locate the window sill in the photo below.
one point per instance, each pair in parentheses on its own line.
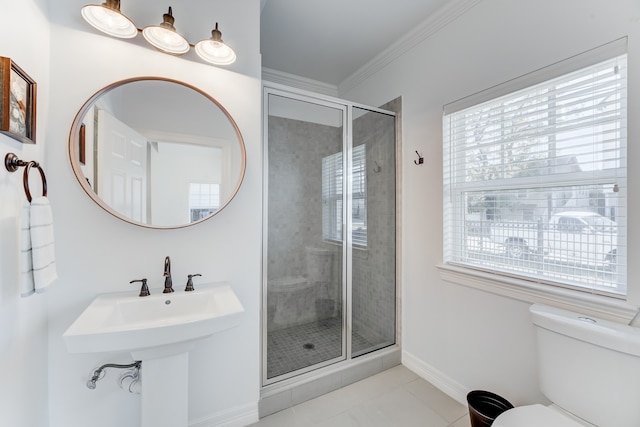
(354,246)
(595,305)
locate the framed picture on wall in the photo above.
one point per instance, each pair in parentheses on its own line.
(82,144)
(17,102)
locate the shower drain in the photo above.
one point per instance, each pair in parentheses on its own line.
(309,346)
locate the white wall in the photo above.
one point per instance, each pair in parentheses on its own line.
(465,337)
(24,38)
(97,253)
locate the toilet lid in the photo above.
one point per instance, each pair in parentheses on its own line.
(534,416)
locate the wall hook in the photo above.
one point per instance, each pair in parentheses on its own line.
(420,159)
(377,168)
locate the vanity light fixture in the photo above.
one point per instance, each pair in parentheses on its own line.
(164,37)
(107,18)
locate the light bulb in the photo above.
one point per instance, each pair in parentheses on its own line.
(166,40)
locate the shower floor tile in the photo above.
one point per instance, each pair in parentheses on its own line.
(305,345)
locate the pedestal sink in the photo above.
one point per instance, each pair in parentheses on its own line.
(159,329)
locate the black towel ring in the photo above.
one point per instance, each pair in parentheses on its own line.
(12,163)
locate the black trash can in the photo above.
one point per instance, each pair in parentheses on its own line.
(484,407)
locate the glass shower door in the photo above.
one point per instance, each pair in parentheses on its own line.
(373,207)
(304,288)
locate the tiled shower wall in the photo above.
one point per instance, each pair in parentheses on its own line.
(296,149)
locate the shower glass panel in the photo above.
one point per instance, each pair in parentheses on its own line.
(373,216)
(305,291)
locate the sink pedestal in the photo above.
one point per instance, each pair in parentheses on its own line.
(164,391)
(165,386)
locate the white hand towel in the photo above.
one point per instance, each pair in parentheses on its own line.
(42,244)
(27,287)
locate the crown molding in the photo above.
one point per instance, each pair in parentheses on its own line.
(291,80)
(438,20)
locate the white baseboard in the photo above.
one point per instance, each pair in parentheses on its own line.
(238,416)
(427,372)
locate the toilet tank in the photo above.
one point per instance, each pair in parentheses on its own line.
(318,265)
(588,366)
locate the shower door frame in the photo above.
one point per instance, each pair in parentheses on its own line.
(347,236)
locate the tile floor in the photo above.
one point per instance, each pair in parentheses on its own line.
(304,345)
(396,397)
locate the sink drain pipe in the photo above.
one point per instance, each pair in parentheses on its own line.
(131,378)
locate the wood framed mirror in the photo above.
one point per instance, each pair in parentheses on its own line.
(157,153)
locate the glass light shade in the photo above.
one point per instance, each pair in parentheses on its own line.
(166,40)
(109,20)
(215,52)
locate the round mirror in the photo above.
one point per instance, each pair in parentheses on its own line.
(157,152)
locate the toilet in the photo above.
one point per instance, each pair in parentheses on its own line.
(588,368)
(292,299)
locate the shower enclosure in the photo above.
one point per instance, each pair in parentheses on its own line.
(329,263)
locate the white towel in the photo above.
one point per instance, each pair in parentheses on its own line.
(42,244)
(38,251)
(27,287)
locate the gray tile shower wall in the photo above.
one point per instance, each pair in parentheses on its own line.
(296,149)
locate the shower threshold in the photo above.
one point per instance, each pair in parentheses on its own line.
(295,390)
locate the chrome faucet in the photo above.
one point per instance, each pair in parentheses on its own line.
(168,285)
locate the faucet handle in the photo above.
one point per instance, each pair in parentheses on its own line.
(144,290)
(190,287)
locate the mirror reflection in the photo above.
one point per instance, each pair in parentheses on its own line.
(157,153)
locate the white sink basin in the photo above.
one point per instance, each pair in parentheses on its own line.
(125,322)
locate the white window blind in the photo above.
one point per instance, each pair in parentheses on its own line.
(535,181)
(332,190)
(332,197)
(359,196)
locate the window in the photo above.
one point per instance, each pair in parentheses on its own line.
(359,197)
(535,179)
(332,184)
(204,200)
